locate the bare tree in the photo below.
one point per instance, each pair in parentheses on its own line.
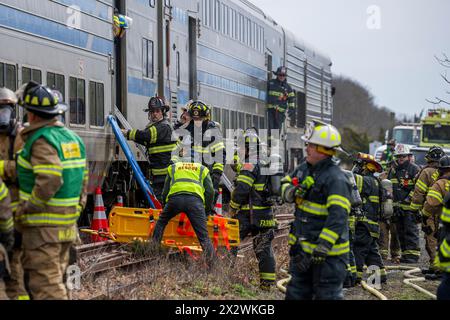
(445,62)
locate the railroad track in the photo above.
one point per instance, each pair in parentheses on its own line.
(99,257)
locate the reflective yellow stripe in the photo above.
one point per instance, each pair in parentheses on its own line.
(365,219)
(132,134)
(445,216)
(24,163)
(329,235)
(292,239)
(314,208)
(2,169)
(234,205)
(6,225)
(23,297)
(153,134)
(394,181)
(267,276)
(54,202)
(247,207)
(359,182)
(159,172)
(336,250)
(218,166)
(14,205)
(217,147)
(49,219)
(200,149)
(3,191)
(48,169)
(161,149)
(74,164)
(411,252)
(445,249)
(338,200)
(421,185)
(276,94)
(416,206)
(259,186)
(245,179)
(374,199)
(436,195)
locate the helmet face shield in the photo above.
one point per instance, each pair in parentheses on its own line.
(6,114)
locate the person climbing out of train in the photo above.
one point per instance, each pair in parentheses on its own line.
(53,177)
(188,188)
(367,229)
(157,138)
(319,236)
(432,209)
(280,97)
(424,181)
(10,144)
(207,146)
(6,238)
(250,204)
(402,175)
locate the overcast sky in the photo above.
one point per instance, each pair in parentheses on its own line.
(395,62)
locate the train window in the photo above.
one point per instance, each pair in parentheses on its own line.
(234,119)
(151,3)
(216,14)
(226,119)
(248,120)
(262,123)
(8,76)
(147,58)
(216,114)
(57,82)
(249,32)
(241,28)
(241,121)
(223,18)
(29,74)
(96,104)
(255,122)
(205,12)
(178,68)
(77,100)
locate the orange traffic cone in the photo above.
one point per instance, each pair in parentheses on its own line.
(119,201)
(99,222)
(218,205)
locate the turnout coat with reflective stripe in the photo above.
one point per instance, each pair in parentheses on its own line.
(443,256)
(157,138)
(426,177)
(435,197)
(252,186)
(369,189)
(6,218)
(402,178)
(280,95)
(321,217)
(52,176)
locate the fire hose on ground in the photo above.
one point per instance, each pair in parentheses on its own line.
(408,274)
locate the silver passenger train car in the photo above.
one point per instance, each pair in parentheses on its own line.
(219,51)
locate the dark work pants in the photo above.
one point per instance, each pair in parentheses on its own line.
(366,249)
(262,245)
(443,291)
(195,211)
(388,240)
(408,235)
(158,186)
(276,120)
(319,282)
(351,268)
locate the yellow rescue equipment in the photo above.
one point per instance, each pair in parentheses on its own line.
(136,224)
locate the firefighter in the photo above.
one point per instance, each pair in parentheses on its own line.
(188,188)
(52,176)
(367,229)
(402,175)
(432,209)
(280,97)
(425,179)
(388,155)
(10,144)
(184,120)
(6,237)
(250,205)
(442,260)
(157,138)
(206,141)
(319,235)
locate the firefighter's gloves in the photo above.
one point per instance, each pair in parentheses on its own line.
(302,262)
(125,133)
(319,254)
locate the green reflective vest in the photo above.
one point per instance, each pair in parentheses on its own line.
(71,152)
(187,177)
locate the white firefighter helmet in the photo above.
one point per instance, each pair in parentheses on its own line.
(401,150)
(322,134)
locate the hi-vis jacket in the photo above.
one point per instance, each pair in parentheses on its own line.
(157,138)
(426,178)
(6,218)
(402,178)
(9,147)
(251,193)
(53,177)
(443,256)
(369,189)
(435,197)
(280,96)
(321,216)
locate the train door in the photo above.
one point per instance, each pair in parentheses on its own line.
(193,29)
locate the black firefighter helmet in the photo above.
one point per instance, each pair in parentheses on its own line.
(42,100)
(434,154)
(157,103)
